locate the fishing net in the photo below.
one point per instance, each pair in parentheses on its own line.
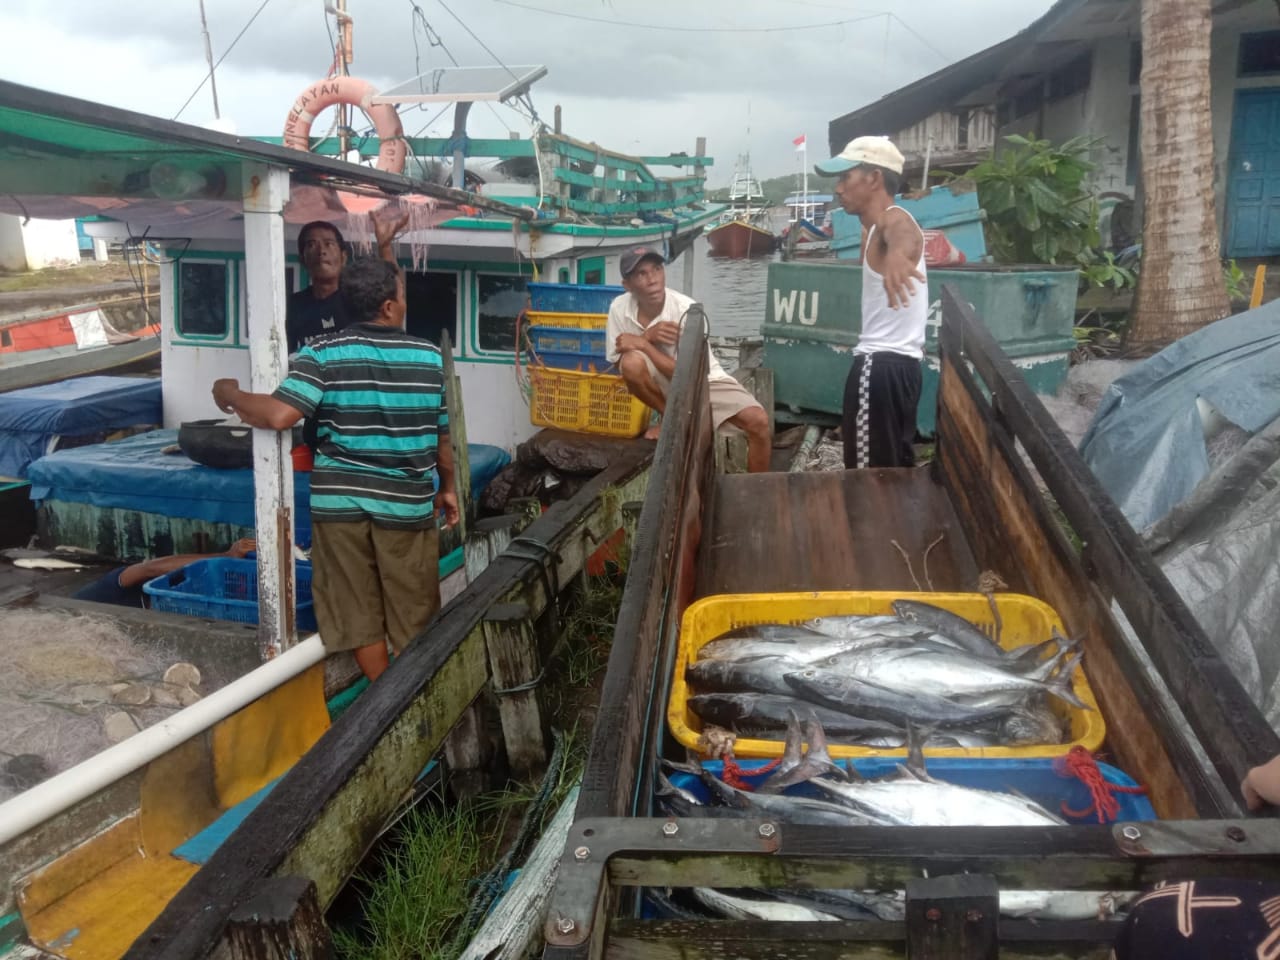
(422,217)
(65,676)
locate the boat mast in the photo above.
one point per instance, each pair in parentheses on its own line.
(208,56)
(804,171)
(342,54)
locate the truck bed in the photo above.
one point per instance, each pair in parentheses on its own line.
(784,532)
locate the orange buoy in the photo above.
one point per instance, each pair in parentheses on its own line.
(354,92)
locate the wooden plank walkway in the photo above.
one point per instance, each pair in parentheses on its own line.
(781,532)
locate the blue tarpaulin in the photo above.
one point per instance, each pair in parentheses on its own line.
(1215,534)
(134,474)
(31,418)
(1146,443)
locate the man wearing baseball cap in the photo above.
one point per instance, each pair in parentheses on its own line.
(883,388)
(643,330)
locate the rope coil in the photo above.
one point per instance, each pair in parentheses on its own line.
(1079,763)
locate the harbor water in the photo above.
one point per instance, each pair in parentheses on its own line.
(733,291)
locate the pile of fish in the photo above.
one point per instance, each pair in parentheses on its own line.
(835,795)
(866,678)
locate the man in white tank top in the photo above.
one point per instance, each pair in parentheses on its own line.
(883,388)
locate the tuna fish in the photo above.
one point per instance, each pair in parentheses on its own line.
(841,691)
(767,713)
(946,622)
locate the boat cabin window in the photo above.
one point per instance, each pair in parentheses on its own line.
(499,300)
(202,299)
(591,270)
(432,305)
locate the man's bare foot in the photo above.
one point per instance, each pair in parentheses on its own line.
(653,431)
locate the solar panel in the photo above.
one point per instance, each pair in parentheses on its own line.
(463,85)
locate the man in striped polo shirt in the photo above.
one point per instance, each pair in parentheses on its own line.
(377,396)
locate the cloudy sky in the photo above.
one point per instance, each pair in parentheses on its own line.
(640,76)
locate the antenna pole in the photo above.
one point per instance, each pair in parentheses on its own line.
(208,56)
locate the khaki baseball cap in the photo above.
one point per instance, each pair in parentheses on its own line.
(877,151)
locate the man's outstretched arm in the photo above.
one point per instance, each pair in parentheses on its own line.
(256,409)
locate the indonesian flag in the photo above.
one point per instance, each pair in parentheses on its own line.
(799,142)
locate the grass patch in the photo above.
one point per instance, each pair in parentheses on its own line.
(417,897)
(422,887)
(79,275)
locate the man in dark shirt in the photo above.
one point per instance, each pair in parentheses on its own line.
(123,585)
(318,309)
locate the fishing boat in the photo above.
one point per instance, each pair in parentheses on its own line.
(49,347)
(131,826)
(809,230)
(744,229)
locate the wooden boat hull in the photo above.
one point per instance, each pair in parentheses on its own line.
(54,364)
(739,240)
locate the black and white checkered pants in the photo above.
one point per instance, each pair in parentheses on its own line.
(880,400)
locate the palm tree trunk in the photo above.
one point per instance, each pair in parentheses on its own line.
(1180,286)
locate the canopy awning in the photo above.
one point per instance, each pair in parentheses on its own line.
(61,158)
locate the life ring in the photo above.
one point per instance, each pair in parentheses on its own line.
(354,92)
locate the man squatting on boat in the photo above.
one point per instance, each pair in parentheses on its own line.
(883,388)
(643,330)
(377,396)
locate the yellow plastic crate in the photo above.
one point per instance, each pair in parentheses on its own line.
(576,321)
(585,403)
(1024,620)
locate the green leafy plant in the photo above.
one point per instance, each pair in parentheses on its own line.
(1039,208)
(1103,271)
(1236,281)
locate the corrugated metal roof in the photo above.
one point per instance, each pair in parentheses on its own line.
(909,105)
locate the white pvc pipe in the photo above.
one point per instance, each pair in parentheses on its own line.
(50,798)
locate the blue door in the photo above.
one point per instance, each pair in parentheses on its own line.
(1253,189)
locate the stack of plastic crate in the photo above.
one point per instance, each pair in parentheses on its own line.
(574,386)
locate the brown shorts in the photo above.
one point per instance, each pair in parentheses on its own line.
(728,397)
(371,584)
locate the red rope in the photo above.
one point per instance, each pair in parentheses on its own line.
(1079,763)
(735,776)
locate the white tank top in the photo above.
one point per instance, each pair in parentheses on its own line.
(884,328)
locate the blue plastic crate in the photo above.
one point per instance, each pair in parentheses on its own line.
(572,297)
(1036,779)
(567,340)
(224,588)
(574,361)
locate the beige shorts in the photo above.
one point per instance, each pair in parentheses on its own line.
(728,397)
(371,584)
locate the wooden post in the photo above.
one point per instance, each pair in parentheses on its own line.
(630,525)
(468,754)
(953,918)
(282,920)
(457,438)
(759,380)
(266,192)
(515,666)
(489,537)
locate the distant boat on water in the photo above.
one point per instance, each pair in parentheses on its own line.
(744,229)
(808,230)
